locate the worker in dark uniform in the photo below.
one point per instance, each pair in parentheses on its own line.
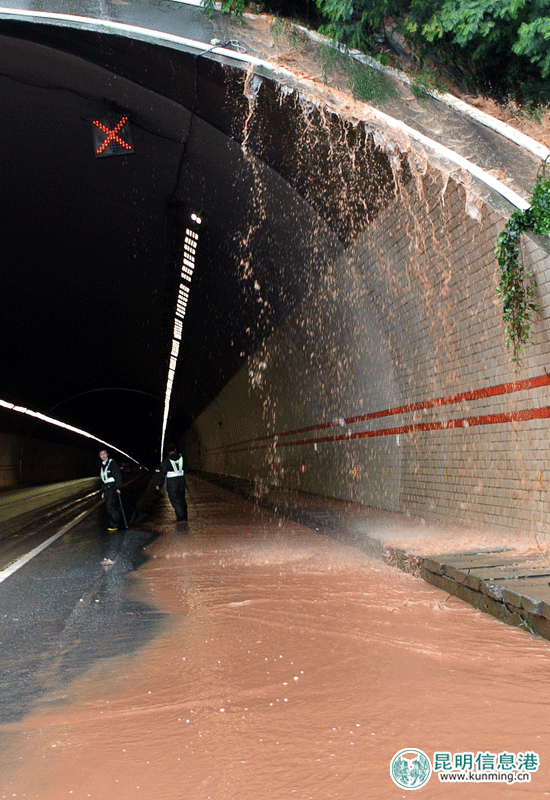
(173,468)
(111,485)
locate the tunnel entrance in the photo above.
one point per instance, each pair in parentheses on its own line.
(340,333)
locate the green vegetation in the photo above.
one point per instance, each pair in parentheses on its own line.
(501,47)
(425,82)
(284,27)
(366,83)
(304,10)
(498,47)
(515,288)
(233,7)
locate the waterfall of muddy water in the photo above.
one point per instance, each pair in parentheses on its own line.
(292,666)
(405,314)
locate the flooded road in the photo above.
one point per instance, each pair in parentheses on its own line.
(288,665)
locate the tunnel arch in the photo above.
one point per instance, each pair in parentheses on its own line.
(343,337)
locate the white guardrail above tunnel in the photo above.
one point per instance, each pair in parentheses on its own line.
(282,75)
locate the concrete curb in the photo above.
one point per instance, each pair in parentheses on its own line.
(274,72)
(512,134)
(513,588)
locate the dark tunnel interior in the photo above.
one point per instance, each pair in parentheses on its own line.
(94,241)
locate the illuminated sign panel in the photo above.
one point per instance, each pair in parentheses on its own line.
(112,136)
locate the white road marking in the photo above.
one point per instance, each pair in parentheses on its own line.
(32,553)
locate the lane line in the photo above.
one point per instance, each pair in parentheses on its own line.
(32,553)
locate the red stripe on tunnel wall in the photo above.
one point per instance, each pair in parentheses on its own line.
(474,394)
(469,422)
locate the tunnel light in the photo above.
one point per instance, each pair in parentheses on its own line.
(187,268)
(51,421)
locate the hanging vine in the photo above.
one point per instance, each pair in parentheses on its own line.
(516,289)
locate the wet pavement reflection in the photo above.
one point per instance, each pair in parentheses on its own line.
(289,665)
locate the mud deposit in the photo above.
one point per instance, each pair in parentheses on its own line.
(291,666)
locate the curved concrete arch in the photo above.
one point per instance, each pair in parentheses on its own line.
(343,332)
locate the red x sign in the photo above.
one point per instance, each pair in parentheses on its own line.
(112,138)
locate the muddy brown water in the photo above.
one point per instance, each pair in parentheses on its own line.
(291,666)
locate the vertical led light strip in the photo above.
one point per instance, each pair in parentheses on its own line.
(188,265)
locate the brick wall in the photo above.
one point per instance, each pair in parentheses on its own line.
(392,386)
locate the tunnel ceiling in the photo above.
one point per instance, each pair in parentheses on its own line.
(93,243)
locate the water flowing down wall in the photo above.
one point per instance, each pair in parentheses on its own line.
(390,384)
(342,335)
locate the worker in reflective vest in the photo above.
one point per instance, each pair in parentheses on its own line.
(111,485)
(173,468)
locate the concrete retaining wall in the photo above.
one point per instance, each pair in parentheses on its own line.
(392,385)
(31,462)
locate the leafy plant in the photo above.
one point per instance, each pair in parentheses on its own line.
(304,10)
(278,27)
(366,83)
(501,47)
(515,288)
(425,82)
(234,8)
(534,42)
(353,22)
(282,28)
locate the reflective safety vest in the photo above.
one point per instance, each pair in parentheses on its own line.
(105,477)
(177,468)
